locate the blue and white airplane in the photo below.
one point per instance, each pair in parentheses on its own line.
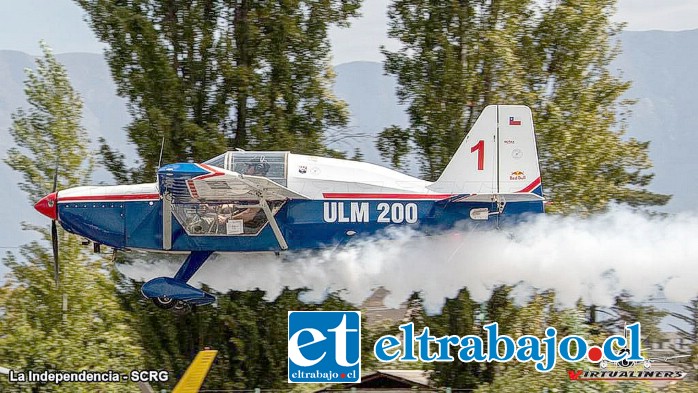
(251,201)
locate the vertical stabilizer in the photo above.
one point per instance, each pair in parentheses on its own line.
(497,156)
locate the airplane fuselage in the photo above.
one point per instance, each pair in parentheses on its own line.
(130,217)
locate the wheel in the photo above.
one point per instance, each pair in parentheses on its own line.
(625,363)
(164,302)
(181,308)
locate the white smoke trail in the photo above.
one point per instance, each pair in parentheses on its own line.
(593,259)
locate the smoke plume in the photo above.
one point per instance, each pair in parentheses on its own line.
(594,259)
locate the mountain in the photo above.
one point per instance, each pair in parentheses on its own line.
(660,64)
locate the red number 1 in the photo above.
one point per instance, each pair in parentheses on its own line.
(480,148)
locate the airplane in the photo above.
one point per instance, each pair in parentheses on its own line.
(646,363)
(251,201)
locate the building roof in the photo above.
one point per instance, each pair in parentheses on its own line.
(376,312)
(389,381)
(420,377)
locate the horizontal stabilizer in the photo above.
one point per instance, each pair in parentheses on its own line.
(518,197)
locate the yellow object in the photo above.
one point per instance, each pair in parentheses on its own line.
(194,377)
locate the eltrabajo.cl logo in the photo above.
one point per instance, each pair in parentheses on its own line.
(503,348)
(324,346)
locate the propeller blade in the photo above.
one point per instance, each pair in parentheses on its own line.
(54,243)
(54,229)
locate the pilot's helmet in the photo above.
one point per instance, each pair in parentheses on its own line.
(258,166)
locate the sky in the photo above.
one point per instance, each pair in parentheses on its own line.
(60,22)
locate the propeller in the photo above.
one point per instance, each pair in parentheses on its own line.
(48,206)
(54,229)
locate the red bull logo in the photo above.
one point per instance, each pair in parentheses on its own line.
(517,175)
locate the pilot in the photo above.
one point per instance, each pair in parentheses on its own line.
(252,217)
(257,168)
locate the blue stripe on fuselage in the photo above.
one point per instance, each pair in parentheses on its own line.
(305,224)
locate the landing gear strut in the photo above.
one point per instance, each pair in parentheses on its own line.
(173,293)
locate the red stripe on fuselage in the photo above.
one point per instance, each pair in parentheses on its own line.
(209,168)
(101,198)
(337,195)
(531,186)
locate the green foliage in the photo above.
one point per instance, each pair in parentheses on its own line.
(209,74)
(533,317)
(78,325)
(458,317)
(682,387)
(459,56)
(518,377)
(462,316)
(456,57)
(582,122)
(689,318)
(49,134)
(626,311)
(249,331)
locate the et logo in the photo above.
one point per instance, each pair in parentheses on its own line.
(324,346)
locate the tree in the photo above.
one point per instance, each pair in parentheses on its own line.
(533,317)
(250,333)
(459,56)
(458,317)
(47,133)
(79,324)
(582,120)
(454,60)
(688,334)
(625,311)
(501,309)
(209,74)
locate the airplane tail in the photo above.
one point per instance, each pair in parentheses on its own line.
(497,156)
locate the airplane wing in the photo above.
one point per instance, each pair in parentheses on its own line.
(232,184)
(205,183)
(667,358)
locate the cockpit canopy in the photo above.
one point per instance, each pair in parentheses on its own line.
(271,164)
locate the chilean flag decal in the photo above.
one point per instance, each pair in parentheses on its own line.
(513,121)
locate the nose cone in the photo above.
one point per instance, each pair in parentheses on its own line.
(48,205)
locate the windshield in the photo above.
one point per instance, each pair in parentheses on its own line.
(270,164)
(217,161)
